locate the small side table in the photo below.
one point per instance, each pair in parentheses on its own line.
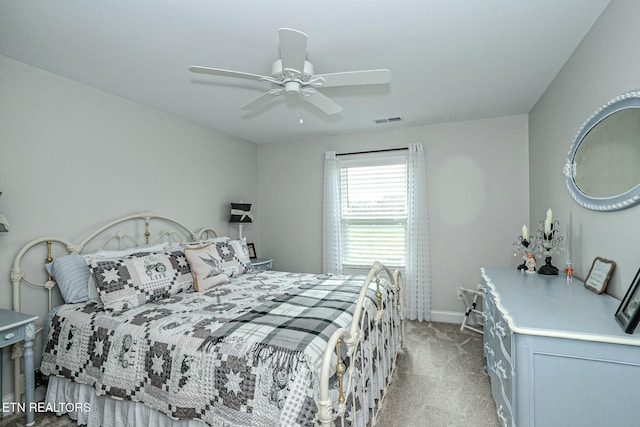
(262,264)
(16,327)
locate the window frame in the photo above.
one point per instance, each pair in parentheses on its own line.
(363,160)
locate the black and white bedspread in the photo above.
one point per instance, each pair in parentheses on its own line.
(245,353)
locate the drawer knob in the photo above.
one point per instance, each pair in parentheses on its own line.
(9,336)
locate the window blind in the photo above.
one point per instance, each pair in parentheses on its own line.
(373,213)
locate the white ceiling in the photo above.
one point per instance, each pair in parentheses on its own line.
(450,60)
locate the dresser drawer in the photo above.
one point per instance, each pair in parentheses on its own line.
(11,336)
(501,389)
(505,415)
(488,337)
(503,335)
(502,372)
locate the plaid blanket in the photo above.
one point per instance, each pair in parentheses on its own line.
(246,353)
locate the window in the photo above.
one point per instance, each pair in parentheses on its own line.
(374,208)
(373,211)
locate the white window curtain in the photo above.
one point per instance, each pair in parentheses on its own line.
(417,292)
(331,232)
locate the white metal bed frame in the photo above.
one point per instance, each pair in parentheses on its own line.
(330,408)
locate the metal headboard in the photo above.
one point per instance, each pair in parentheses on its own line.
(119,234)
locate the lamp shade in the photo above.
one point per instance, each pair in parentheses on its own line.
(241,212)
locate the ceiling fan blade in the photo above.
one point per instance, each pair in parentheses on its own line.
(352,78)
(227,73)
(261,100)
(321,101)
(293,49)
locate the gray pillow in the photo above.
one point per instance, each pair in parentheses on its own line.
(72,276)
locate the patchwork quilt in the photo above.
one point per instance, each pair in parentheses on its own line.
(247,353)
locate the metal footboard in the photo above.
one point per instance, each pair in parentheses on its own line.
(362,359)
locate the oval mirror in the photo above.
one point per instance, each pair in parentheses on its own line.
(602,167)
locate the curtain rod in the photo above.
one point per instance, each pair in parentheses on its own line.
(372,151)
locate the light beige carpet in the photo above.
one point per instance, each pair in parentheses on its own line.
(439,382)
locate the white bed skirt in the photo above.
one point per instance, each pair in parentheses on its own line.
(103,411)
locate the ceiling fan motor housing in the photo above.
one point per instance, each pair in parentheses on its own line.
(280,74)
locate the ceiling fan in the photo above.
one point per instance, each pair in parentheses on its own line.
(293,74)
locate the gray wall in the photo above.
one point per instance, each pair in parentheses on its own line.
(603,66)
(73,158)
(477,191)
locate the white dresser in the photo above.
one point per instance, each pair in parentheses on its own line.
(556,355)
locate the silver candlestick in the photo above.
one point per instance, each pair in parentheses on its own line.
(548,242)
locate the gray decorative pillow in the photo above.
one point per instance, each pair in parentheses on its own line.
(233,256)
(131,281)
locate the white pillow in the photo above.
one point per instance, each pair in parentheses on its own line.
(126,252)
(205,267)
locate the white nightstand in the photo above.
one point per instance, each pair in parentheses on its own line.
(262,264)
(18,327)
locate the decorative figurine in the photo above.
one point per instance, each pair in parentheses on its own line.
(521,247)
(530,262)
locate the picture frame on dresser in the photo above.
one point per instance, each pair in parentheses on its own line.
(628,313)
(252,250)
(599,275)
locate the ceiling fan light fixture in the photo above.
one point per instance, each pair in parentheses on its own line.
(292,86)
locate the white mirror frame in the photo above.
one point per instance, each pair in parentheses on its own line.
(613,203)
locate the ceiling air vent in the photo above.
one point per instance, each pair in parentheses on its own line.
(388,120)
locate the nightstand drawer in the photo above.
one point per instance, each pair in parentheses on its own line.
(12,335)
(261,264)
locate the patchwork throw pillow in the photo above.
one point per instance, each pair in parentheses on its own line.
(242,252)
(131,281)
(205,267)
(233,256)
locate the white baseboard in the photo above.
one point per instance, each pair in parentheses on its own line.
(447,316)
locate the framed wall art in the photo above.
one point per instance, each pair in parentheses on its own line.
(252,250)
(628,313)
(599,275)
